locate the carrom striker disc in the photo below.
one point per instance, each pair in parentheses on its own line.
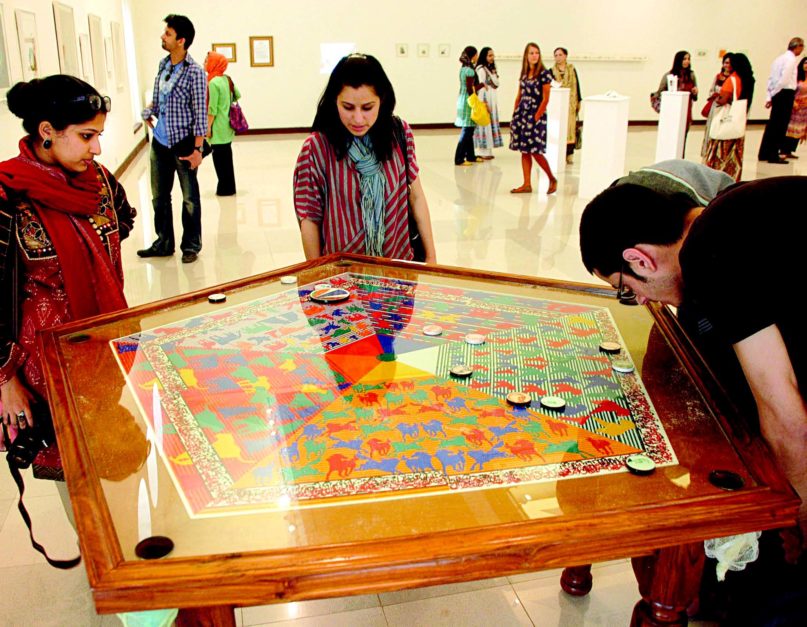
(461,371)
(289,279)
(329,295)
(640,464)
(217,298)
(553,402)
(610,347)
(726,480)
(474,338)
(154,547)
(519,399)
(432,329)
(623,366)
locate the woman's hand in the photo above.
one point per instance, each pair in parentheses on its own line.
(16,401)
(694,91)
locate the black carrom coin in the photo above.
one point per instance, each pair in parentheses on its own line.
(154,548)
(726,480)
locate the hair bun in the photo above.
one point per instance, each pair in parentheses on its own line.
(22,97)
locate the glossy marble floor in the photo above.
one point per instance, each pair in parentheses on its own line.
(477,223)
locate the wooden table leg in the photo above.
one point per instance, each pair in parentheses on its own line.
(221,616)
(576,580)
(669,581)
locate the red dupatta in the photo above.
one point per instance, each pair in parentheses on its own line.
(93,283)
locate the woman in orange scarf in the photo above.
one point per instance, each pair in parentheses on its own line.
(220,95)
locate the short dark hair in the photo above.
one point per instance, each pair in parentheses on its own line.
(625,215)
(59,99)
(182,26)
(563,50)
(354,71)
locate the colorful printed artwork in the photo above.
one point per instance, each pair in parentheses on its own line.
(285,402)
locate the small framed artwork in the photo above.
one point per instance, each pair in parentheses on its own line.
(443,50)
(5,69)
(228,50)
(86,57)
(29,46)
(66,38)
(423,50)
(261,52)
(109,56)
(119,54)
(401,50)
(97,51)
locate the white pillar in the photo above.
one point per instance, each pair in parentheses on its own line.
(605,138)
(672,124)
(557,119)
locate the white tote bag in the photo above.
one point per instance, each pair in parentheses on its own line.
(729,119)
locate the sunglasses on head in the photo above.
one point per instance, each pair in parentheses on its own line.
(96,102)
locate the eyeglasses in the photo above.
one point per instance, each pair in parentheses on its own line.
(96,102)
(624,294)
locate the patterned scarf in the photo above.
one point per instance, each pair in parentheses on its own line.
(372,185)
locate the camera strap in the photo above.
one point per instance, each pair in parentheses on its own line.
(15,474)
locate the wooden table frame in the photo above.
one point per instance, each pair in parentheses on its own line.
(667,547)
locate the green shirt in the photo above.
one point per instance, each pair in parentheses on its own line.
(219,106)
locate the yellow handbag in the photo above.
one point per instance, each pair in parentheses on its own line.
(479,112)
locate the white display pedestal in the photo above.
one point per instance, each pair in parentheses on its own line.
(605,138)
(672,124)
(557,120)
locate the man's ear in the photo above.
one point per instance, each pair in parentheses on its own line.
(642,259)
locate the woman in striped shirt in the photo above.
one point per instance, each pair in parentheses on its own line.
(355,180)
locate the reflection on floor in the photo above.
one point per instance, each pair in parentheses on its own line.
(477,224)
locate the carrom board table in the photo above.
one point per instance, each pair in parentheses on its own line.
(294,449)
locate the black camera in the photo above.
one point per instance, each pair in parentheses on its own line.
(31,440)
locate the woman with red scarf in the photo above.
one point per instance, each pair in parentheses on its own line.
(62,218)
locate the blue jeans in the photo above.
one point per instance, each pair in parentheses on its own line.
(163,166)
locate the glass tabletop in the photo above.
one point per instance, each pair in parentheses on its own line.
(325,411)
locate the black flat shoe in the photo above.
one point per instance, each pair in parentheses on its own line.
(777,161)
(154,252)
(189,257)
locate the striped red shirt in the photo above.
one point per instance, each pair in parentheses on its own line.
(326,191)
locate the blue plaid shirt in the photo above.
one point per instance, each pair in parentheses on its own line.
(186,109)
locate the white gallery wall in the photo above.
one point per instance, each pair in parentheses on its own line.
(119,138)
(426,87)
(618,45)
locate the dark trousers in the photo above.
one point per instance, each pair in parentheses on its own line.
(773,139)
(223,162)
(465,146)
(163,167)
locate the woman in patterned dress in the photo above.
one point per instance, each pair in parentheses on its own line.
(62,216)
(566,74)
(357,175)
(797,128)
(465,155)
(528,126)
(709,108)
(486,138)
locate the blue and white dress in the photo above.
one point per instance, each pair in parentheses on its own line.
(527,135)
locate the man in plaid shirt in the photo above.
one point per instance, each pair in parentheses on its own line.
(178,116)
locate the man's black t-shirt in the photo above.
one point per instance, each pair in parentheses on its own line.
(744,265)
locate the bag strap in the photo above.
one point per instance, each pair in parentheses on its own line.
(15,474)
(733,88)
(232,89)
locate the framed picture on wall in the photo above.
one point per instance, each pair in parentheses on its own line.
(443,50)
(97,52)
(228,50)
(86,57)
(66,38)
(118,54)
(29,45)
(401,50)
(261,52)
(423,50)
(5,69)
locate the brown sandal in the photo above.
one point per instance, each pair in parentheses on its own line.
(553,186)
(524,189)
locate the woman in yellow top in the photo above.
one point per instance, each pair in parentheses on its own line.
(220,94)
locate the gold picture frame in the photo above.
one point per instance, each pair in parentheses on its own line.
(261,52)
(228,50)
